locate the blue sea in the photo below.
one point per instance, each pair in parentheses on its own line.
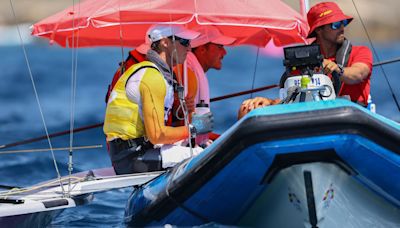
(51,67)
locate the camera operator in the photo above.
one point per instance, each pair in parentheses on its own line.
(351,64)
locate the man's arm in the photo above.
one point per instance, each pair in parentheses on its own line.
(152,92)
(358,71)
(354,74)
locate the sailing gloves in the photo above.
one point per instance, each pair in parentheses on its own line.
(203,123)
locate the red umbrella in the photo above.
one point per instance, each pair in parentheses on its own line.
(125,22)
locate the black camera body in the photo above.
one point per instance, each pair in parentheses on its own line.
(303,58)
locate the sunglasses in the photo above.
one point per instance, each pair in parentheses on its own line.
(182,41)
(338,24)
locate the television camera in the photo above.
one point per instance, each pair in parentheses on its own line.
(303,79)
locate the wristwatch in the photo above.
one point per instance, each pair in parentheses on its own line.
(341,72)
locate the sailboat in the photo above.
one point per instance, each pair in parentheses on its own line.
(37,205)
(317,163)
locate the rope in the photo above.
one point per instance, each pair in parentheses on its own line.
(17,190)
(61,133)
(255,71)
(23,190)
(121,40)
(36,95)
(46,149)
(377,56)
(74,69)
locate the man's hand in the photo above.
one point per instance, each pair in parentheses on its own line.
(329,67)
(254,103)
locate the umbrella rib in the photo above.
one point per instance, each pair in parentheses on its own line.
(142,22)
(247,25)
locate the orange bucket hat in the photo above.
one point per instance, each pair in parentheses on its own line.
(324,13)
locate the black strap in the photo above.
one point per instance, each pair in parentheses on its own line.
(342,58)
(343,53)
(142,67)
(119,148)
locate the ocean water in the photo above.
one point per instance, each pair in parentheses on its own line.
(51,67)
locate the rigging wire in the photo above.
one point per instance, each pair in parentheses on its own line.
(36,187)
(121,41)
(377,56)
(255,71)
(74,69)
(37,97)
(42,190)
(182,101)
(46,149)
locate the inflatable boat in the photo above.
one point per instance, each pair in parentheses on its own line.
(311,164)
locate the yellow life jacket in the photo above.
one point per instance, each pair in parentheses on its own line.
(124,118)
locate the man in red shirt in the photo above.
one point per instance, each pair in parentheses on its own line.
(352,64)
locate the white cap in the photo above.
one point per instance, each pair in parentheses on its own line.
(157,32)
(210,34)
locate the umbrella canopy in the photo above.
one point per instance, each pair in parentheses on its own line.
(125,22)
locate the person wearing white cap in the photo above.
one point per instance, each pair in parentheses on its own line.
(207,53)
(139,104)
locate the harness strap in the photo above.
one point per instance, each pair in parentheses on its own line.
(174,81)
(342,58)
(142,67)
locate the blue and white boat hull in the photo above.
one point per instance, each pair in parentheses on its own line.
(325,164)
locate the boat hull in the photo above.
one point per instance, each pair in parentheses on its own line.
(37,205)
(340,201)
(32,220)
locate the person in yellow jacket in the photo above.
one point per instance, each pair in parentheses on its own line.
(139,105)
